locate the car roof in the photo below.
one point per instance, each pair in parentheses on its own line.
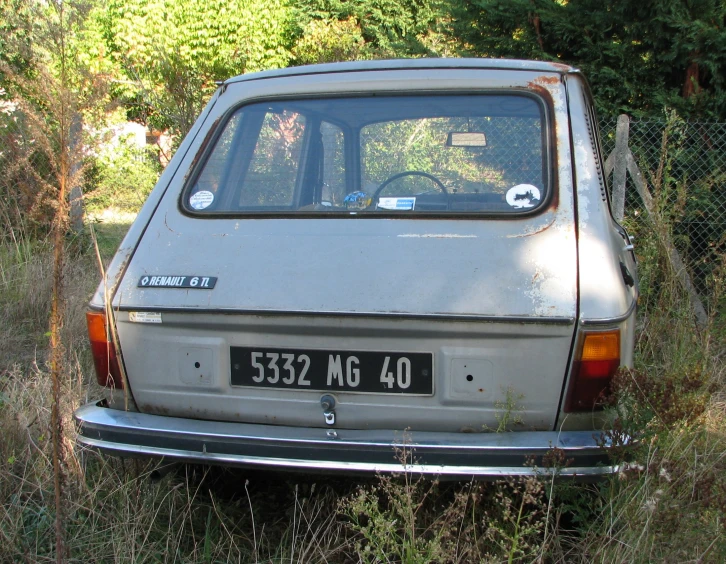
(408,64)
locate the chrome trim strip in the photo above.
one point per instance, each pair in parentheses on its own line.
(96,416)
(371,314)
(342,466)
(612,320)
(481,454)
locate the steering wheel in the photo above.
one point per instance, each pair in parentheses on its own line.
(390,179)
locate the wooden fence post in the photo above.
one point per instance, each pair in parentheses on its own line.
(622,134)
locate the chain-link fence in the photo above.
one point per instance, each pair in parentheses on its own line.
(684,164)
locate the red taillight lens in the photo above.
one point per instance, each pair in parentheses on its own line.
(596,364)
(108,372)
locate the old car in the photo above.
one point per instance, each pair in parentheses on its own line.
(373,266)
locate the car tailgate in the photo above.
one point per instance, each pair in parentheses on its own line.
(494,302)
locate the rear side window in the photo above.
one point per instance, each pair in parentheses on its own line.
(377,155)
(275,163)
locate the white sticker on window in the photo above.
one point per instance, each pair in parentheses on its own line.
(523,196)
(201,200)
(396,203)
(144,317)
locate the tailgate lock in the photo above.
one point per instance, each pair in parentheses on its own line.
(327,402)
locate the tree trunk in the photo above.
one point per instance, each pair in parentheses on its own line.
(692,85)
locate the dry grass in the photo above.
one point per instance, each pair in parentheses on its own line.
(135,511)
(125,510)
(670,505)
(25,285)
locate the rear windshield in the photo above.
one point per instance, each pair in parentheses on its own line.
(377,155)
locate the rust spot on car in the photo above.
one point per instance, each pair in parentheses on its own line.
(543,90)
(534,231)
(119,275)
(546,80)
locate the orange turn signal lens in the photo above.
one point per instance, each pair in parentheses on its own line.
(601,346)
(96,321)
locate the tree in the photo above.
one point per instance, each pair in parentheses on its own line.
(171,53)
(41,160)
(388,28)
(49,91)
(639,56)
(328,41)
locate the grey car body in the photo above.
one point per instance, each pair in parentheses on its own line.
(318,335)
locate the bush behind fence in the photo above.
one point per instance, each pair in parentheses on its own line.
(684,164)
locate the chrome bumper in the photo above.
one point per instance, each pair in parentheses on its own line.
(464,455)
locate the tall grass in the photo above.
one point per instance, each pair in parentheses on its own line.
(668,504)
(120,510)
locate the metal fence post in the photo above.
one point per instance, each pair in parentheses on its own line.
(622,134)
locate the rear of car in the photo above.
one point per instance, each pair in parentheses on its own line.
(370,266)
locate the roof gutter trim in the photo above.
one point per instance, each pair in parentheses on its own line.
(407,64)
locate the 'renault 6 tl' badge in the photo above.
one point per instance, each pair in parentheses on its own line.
(173,281)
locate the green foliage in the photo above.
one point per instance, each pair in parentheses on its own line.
(395,521)
(390,28)
(16,37)
(639,56)
(121,177)
(508,412)
(686,170)
(45,101)
(215,37)
(171,53)
(328,41)
(669,499)
(668,503)
(410,519)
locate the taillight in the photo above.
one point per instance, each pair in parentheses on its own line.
(595,365)
(108,372)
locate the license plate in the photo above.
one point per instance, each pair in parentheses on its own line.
(330,371)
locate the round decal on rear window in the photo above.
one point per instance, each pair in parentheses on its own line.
(201,200)
(523,196)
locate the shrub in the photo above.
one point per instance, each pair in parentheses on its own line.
(121,177)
